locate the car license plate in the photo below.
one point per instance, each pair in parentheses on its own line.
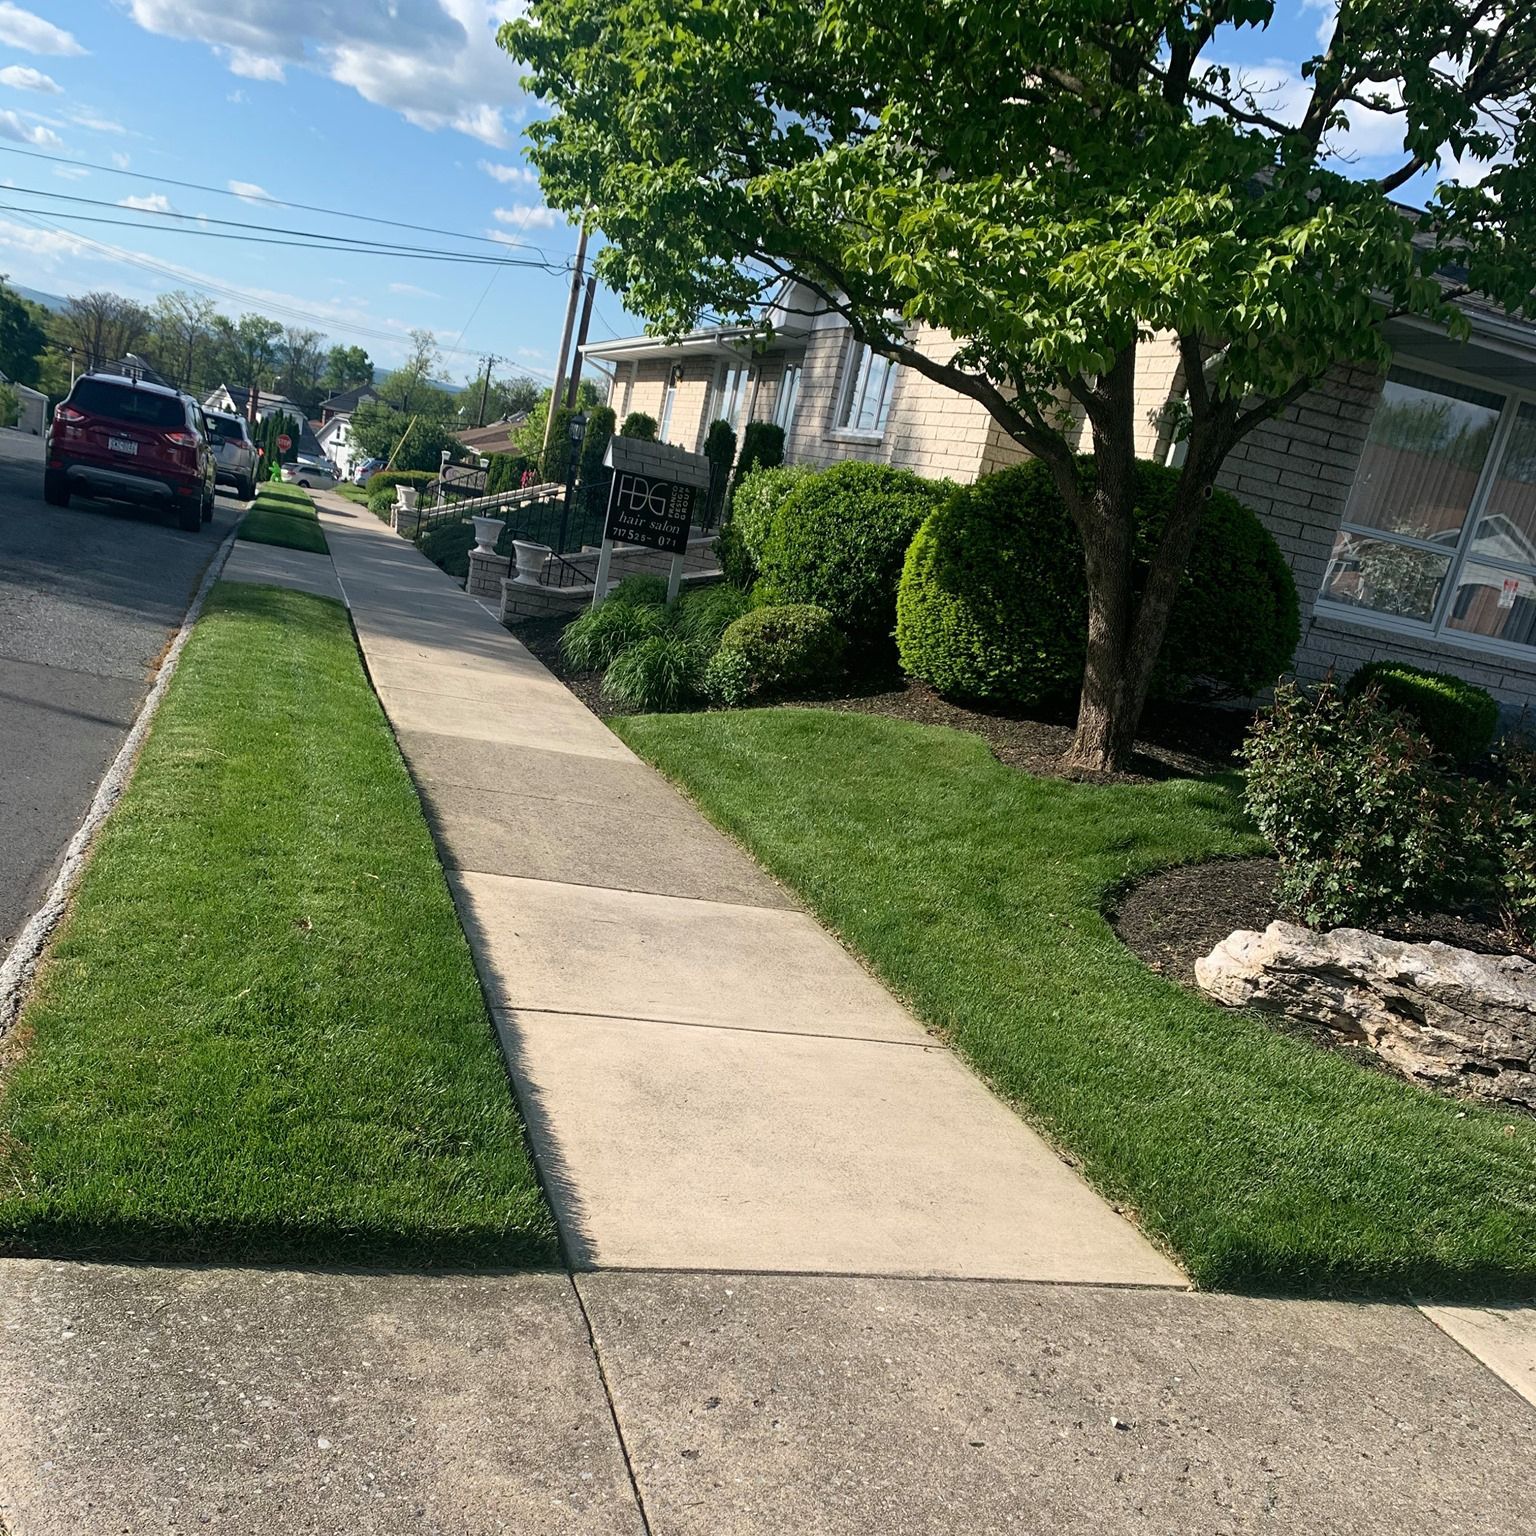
(122,445)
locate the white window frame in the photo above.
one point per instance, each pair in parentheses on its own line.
(668,401)
(1437,628)
(733,380)
(858,361)
(788,396)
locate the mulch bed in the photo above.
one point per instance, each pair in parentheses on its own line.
(1180,739)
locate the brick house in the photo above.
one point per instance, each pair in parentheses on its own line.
(1405,501)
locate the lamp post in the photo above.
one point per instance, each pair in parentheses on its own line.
(577,429)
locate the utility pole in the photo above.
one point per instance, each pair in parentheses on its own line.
(581,341)
(485,388)
(565,341)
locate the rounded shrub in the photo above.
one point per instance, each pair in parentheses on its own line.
(664,671)
(638,425)
(754,501)
(1458,717)
(838,539)
(595,639)
(994,604)
(774,650)
(762,447)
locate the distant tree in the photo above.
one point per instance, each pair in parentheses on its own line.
(22,337)
(410,387)
(10,406)
(246,350)
(181,338)
(300,364)
(406,440)
(53,373)
(511,397)
(346,368)
(102,327)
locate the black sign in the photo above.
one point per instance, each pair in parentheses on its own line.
(654,513)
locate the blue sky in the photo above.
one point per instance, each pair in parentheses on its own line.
(404,110)
(176,89)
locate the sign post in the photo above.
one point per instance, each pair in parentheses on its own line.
(651,502)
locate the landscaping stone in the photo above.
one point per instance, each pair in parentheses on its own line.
(1444,1016)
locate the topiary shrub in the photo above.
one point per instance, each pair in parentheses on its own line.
(704,615)
(640,590)
(720,450)
(1363,819)
(762,447)
(1457,716)
(774,650)
(638,424)
(838,540)
(664,671)
(754,501)
(993,602)
(600,428)
(595,639)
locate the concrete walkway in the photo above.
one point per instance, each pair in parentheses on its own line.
(678,1389)
(709,1080)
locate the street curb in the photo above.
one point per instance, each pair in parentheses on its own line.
(21,964)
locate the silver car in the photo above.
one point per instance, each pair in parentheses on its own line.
(312,474)
(234,453)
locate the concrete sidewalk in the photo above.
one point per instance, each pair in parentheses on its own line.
(717,1090)
(709,1080)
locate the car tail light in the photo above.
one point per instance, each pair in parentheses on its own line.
(66,423)
(68,415)
(182,439)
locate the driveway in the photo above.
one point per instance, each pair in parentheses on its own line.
(89,598)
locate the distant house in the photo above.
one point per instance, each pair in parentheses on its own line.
(235,400)
(1404,501)
(32,407)
(346,402)
(496,437)
(335,430)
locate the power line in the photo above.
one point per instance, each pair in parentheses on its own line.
(247,197)
(461,258)
(274,229)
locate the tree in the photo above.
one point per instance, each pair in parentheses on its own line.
(246,350)
(403,440)
(102,328)
(346,368)
(1052,186)
(22,337)
(300,362)
(410,387)
(512,397)
(182,338)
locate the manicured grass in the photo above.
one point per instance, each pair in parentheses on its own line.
(977,893)
(260,1035)
(353,493)
(284,515)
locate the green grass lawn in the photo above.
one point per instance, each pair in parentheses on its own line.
(260,1035)
(353,493)
(284,515)
(977,893)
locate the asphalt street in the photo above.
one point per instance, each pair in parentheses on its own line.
(89,599)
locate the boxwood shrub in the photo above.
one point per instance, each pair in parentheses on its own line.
(1457,716)
(774,650)
(838,539)
(754,501)
(993,602)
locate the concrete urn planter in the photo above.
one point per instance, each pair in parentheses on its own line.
(405,497)
(530,560)
(487,531)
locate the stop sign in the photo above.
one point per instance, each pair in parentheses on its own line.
(284,442)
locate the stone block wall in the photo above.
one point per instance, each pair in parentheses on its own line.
(486,574)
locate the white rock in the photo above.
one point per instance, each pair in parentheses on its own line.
(1436,1013)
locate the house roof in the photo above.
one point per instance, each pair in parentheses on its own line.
(495,436)
(789,314)
(349,399)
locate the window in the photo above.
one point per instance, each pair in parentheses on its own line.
(123,402)
(730,394)
(668,400)
(629,391)
(1440,529)
(865,403)
(788,397)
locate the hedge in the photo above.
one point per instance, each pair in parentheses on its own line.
(774,650)
(993,602)
(838,540)
(1458,717)
(753,503)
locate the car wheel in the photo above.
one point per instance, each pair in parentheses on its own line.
(304,485)
(246,490)
(208,509)
(191,517)
(55,488)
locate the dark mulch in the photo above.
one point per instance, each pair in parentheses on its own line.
(1180,740)
(1180,915)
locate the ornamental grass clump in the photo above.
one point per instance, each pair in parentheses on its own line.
(595,639)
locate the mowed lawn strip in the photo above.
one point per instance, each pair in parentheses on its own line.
(286,516)
(260,1035)
(977,893)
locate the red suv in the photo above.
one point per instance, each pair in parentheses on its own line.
(131,441)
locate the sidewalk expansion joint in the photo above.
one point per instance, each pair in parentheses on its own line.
(909,1277)
(613,1410)
(507,1015)
(595,885)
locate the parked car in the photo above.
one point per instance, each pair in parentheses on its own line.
(366,471)
(312,474)
(236,454)
(131,441)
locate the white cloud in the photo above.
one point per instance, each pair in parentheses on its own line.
(237,98)
(412,290)
(433,61)
(14,128)
(97,124)
(119,159)
(249,191)
(153,202)
(21,29)
(514,174)
(70,172)
(532,352)
(529,216)
(22,77)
